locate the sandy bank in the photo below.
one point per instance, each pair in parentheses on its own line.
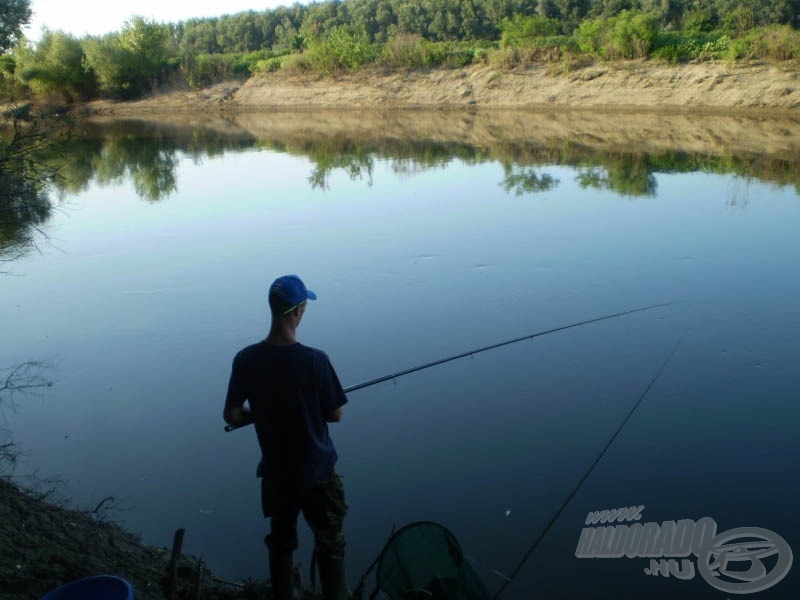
(629,86)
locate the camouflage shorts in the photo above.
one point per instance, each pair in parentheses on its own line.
(323,507)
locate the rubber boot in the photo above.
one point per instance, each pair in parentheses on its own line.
(332,578)
(280,572)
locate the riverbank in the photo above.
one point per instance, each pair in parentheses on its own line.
(44,545)
(633,86)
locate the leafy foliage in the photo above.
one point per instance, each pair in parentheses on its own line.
(55,66)
(131,62)
(14,15)
(630,34)
(522,30)
(340,50)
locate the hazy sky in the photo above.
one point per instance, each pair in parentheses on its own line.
(98,17)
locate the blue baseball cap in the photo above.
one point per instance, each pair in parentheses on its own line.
(287,292)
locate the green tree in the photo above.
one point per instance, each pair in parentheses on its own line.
(632,34)
(521,30)
(147,43)
(55,65)
(131,62)
(609,8)
(669,11)
(571,13)
(700,16)
(14,15)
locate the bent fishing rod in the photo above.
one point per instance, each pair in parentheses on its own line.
(554,518)
(441,361)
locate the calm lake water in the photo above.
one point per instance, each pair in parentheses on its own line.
(426,236)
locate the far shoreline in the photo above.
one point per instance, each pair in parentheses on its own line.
(752,88)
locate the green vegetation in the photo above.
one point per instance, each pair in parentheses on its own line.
(333,37)
(132,61)
(14,15)
(55,66)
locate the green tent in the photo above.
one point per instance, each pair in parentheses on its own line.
(424,560)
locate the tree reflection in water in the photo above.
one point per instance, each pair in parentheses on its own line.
(25,176)
(148,154)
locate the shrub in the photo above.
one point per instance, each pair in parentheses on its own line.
(296,63)
(404,50)
(670,53)
(674,46)
(591,35)
(544,50)
(269,65)
(132,61)
(632,34)
(504,57)
(340,50)
(54,67)
(522,30)
(413,52)
(205,69)
(739,20)
(775,42)
(699,21)
(459,57)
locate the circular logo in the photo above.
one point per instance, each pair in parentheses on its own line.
(732,561)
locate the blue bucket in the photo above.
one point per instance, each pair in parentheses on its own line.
(101,587)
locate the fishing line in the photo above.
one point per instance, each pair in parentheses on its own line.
(441,361)
(572,494)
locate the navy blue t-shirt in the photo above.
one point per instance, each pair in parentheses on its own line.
(290,390)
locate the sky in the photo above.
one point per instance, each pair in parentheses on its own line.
(97,17)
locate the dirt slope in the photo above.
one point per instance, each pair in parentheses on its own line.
(619,85)
(631,86)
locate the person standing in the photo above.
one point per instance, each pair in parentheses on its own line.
(292,393)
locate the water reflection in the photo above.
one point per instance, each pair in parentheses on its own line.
(615,153)
(608,152)
(526,180)
(24,176)
(146,153)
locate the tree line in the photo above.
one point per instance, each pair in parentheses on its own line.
(346,34)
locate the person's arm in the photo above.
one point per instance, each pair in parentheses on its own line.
(334,416)
(333,394)
(237,416)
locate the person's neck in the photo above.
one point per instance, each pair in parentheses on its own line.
(281,334)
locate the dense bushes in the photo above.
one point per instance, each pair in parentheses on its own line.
(54,67)
(776,42)
(206,69)
(341,49)
(133,61)
(523,30)
(630,34)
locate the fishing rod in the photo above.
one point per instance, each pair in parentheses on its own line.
(572,494)
(441,361)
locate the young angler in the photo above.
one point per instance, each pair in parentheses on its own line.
(293,393)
